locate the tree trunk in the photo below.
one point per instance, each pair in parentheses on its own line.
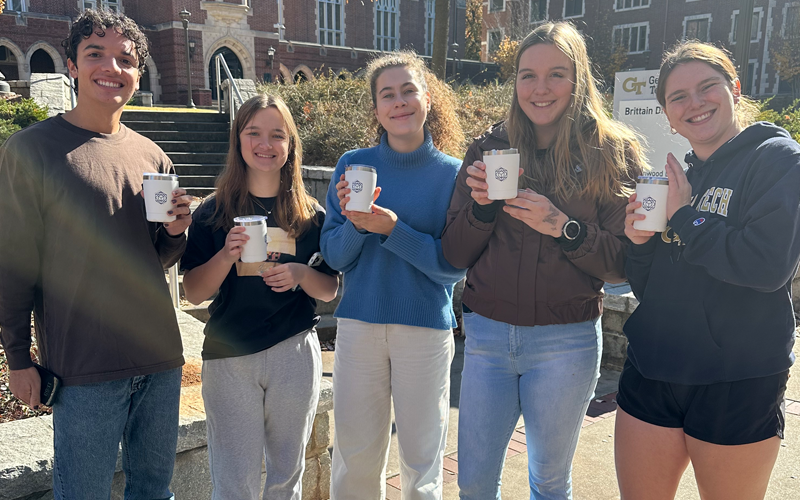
(440,37)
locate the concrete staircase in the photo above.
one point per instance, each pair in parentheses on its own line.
(196,142)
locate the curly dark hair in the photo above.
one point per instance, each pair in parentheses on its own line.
(97,22)
(442,121)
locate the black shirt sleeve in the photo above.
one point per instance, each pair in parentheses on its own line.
(320,220)
(200,244)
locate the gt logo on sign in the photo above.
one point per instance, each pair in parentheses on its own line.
(632,85)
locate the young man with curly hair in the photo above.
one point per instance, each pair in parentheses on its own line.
(76,249)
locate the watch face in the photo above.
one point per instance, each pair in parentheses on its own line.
(571,229)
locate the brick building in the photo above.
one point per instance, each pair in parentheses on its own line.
(647,27)
(311,35)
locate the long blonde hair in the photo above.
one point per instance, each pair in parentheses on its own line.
(294,208)
(442,121)
(687,51)
(592,155)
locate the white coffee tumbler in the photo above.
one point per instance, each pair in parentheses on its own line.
(255,226)
(502,173)
(362,180)
(158,190)
(652,192)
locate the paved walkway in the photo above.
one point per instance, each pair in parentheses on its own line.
(593,468)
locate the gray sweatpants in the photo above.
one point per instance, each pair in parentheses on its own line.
(262,406)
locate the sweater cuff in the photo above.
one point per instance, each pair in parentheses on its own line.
(475,222)
(404,241)
(19,359)
(645,248)
(351,238)
(683,220)
(486,213)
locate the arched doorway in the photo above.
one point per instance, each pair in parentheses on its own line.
(8,64)
(144,81)
(41,62)
(233,64)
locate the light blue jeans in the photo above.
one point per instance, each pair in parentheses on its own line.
(548,373)
(90,420)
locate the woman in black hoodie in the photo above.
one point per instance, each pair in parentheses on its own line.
(710,344)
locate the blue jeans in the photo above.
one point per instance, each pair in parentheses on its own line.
(548,373)
(90,420)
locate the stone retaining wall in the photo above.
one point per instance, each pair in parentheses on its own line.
(26,446)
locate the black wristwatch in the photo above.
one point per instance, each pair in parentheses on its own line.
(571,230)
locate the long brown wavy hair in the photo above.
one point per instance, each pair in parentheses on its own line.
(592,155)
(294,207)
(688,51)
(442,121)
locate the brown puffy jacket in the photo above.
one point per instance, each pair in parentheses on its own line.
(519,276)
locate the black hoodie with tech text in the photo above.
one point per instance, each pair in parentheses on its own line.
(715,288)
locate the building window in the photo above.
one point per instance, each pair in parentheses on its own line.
(112,5)
(791,20)
(497,5)
(750,85)
(386,17)
(494,37)
(634,37)
(697,27)
(573,8)
(430,18)
(631,4)
(15,6)
(331,27)
(538,11)
(755,26)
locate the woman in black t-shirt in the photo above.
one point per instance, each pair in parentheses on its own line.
(261,357)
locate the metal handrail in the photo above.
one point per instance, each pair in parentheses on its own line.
(220,61)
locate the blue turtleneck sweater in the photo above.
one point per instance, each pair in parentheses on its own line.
(403,278)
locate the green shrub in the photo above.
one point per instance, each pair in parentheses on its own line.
(17,115)
(788,118)
(479,106)
(333,115)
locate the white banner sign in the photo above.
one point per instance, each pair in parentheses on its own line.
(635,105)
(647,118)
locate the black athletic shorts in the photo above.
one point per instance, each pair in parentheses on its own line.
(727,413)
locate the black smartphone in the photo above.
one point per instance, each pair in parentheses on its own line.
(49,386)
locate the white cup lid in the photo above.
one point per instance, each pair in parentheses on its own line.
(155,176)
(250,220)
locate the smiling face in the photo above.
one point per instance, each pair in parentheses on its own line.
(700,105)
(401,104)
(107,70)
(264,143)
(544,88)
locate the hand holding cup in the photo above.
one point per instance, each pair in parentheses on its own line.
(680,191)
(637,236)
(232,250)
(181,211)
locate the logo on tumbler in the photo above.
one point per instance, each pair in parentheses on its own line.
(161,197)
(501,174)
(357,186)
(649,203)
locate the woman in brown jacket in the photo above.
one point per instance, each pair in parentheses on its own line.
(537,264)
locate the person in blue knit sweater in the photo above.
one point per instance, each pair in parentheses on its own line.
(394,338)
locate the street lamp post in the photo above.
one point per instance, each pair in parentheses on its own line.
(185,20)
